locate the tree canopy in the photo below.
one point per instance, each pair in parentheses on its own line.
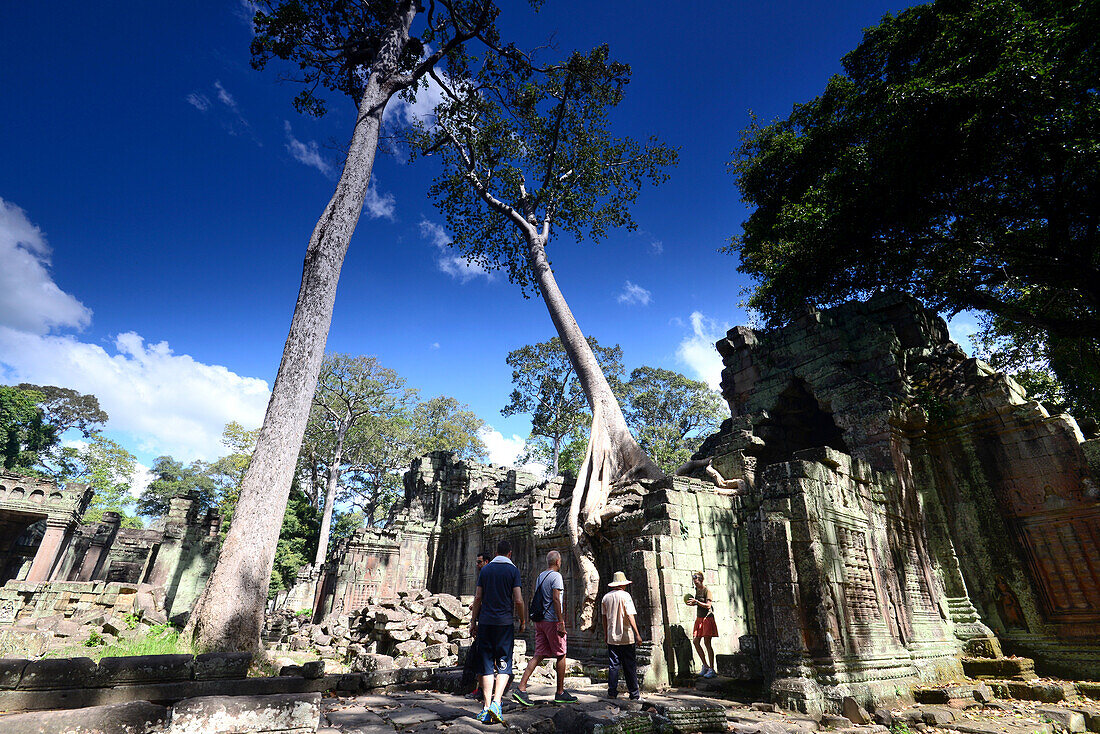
(671,414)
(173,478)
(545,386)
(108,468)
(957,157)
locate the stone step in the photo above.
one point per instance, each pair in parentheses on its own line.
(944,695)
(739,665)
(726,687)
(1000,668)
(1001,726)
(1042,691)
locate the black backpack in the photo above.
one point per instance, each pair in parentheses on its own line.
(537,610)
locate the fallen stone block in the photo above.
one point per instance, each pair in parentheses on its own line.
(11,670)
(936,715)
(1037,691)
(59,673)
(1091,714)
(854,712)
(229,714)
(1068,719)
(1001,726)
(133,717)
(217,665)
(1006,668)
(144,669)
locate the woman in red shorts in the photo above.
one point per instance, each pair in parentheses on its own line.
(705,627)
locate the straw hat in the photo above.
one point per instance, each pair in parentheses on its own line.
(619,580)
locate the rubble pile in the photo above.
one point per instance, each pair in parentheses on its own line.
(416,629)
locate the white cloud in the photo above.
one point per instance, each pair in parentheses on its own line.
(435,345)
(378,206)
(697,351)
(140,479)
(375,204)
(308,154)
(634,295)
(199,101)
(225,97)
(421,109)
(456,266)
(29,299)
(169,403)
(656,247)
(504,451)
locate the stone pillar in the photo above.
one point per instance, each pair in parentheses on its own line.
(49,550)
(99,546)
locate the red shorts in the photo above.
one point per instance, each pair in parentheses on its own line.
(549,643)
(705,627)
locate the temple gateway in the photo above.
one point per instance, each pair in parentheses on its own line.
(910,515)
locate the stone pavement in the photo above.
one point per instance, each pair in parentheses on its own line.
(687,710)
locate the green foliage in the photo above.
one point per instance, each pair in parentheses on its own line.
(131,619)
(1063,374)
(24,433)
(95,639)
(227,472)
(108,469)
(172,479)
(297,541)
(535,154)
(64,409)
(333,45)
(304,613)
(545,386)
(957,158)
(670,414)
(444,424)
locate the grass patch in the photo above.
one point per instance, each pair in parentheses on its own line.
(160,640)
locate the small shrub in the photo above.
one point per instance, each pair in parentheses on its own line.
(131,620)
(95,639)
(304,613)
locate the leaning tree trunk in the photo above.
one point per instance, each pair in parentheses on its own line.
(613,455)
(229,613)
(330,499)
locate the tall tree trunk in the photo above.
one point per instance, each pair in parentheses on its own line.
(613,455)
(330,498)
(555,454)
(228,615)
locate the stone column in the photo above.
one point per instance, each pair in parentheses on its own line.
(50,549)
(99,546)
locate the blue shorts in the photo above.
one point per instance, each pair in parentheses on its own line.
(494,642)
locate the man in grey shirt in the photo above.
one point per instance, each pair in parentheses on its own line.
(549,630)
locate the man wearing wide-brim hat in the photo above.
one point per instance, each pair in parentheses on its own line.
(621,632)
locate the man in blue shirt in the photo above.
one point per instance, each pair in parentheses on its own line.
(491,622)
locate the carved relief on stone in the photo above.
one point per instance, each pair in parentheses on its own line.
(1008,605)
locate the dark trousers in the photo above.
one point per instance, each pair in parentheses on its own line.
(624,657)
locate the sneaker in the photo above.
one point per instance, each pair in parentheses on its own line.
(483,717)
(565,697)
(636,696)
(703,672)
(612,695)
(495,716)
(710,673)
(521,698)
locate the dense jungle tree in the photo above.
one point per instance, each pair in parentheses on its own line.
(528,154)
(355,403)
(957,157)
(108,468)
(444,424)
(545,386)
(671,414)
(172,478)
(365,50)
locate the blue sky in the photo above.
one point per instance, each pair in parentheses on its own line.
(158,195)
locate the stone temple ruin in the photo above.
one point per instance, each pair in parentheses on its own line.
(911,515)
(54,570)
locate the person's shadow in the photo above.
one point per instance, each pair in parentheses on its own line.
(681,650)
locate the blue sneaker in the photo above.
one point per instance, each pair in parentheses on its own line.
(495,716)
(483,717)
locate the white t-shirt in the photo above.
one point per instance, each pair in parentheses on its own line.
(615,606)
